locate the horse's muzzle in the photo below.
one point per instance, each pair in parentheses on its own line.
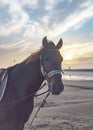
(56,85)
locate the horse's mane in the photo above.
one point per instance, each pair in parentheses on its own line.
(34,55)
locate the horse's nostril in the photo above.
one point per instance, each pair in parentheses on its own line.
(56,89)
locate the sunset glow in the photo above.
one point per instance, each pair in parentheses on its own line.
(23,24)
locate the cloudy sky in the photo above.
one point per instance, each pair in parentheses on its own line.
(23,24)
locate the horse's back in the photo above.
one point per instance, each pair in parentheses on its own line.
(9,113)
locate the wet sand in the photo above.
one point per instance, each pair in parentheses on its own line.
(71,110)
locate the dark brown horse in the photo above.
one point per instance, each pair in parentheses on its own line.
(25,79)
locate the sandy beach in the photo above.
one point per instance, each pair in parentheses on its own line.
(71,110)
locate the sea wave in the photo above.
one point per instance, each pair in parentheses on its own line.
(77,75)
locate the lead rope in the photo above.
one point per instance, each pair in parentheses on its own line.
(41,106)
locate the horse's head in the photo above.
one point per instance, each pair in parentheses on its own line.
(50,61)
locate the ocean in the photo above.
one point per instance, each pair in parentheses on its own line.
(80,74)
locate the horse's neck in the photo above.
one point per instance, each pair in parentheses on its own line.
(29,79)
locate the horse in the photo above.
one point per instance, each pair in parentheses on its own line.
(25,79)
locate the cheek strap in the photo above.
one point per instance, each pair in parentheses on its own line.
(51,73)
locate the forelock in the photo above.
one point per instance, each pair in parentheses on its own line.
(51,44)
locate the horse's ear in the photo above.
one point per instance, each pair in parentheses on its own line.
(44,41)
(60,43)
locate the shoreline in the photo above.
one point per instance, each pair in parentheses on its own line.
(89,70)
(84,84)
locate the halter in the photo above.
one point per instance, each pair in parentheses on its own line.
(50,74)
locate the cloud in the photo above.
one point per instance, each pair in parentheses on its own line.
(32,4)
(60,20)
(51,4)
(19,47)
(16,20)
(78,54)
(73,20)
(29,20)
(50,17)
(16,52)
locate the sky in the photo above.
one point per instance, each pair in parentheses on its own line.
(24,23)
